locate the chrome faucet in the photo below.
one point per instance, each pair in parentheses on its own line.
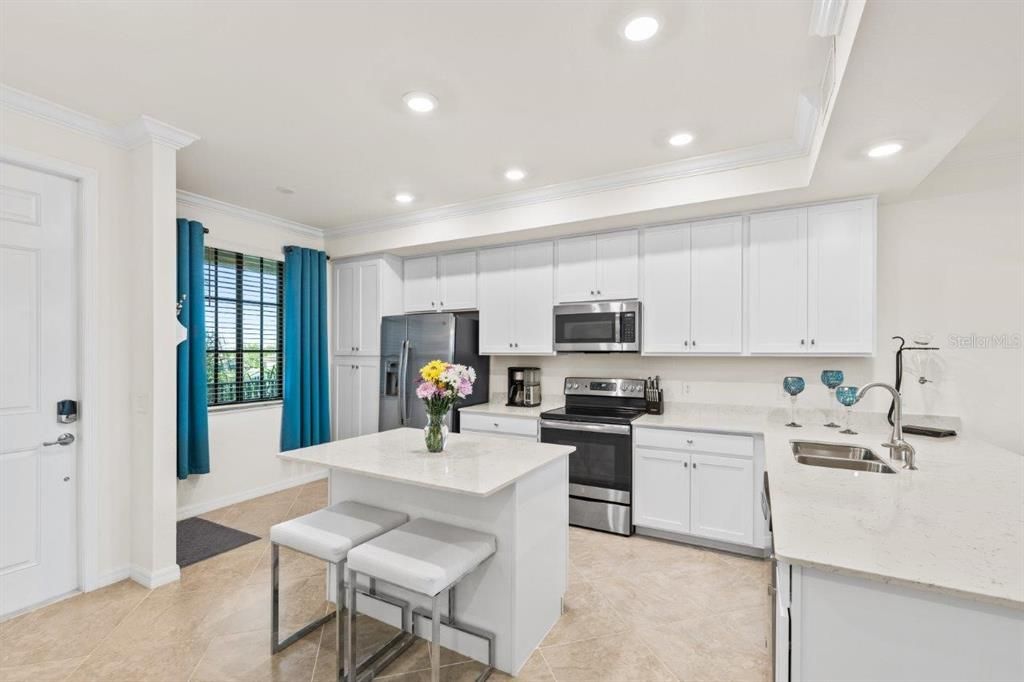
(899,449)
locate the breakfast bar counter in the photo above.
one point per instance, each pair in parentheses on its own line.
(517,491)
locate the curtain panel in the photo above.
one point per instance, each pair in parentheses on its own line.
(193,428)
(306,420)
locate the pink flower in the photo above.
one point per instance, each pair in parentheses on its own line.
(465,387)
(426,390)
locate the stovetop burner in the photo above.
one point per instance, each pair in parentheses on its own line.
(600,401)
(596,415)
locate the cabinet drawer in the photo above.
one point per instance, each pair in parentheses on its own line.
(696,441)
(485,423)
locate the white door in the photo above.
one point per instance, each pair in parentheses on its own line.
(716,286)
(577,274)
(721,498)
(661,490)
(38,351)
(618,254)
(841,277)
(457,281)
(346,318)
(534,293)
(368,310)
(666,272)
(367,398)
(496,296)
(777,284)
(420,284)
(347,418)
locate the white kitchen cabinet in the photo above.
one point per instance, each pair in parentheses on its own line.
(661,490)
(598,267)
(693,287)
(811,275)
(515,298)
(355,397)
(523,428)
(362,292)
(438,283)
(721,501)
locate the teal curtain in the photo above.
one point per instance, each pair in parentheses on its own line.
(193,429)
(306,420)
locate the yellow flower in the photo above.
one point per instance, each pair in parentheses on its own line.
(432,370)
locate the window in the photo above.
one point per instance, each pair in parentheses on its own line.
(244,357)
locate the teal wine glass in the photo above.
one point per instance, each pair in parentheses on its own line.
(832,378)
(794,386)
(847,396)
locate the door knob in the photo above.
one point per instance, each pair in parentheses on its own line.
(62,439)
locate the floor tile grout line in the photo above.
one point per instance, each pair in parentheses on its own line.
(104,638)
(319,646)
(547,665)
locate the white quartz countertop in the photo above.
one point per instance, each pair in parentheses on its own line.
(471,464)
(497,407)
(955,525)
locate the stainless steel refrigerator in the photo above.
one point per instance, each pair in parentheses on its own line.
(407,342)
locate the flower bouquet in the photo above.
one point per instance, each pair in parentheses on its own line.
(440,385)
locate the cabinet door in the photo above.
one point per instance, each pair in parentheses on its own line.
(496,299)
(716,286)
(345,295)
(367,341)
(666,272)
(777,282)
(841,277)
(457,280)
(420,284)
(577,275)
(618,265)
(722,498)
(534,294)
(346,415)
(367,398)
(661,490)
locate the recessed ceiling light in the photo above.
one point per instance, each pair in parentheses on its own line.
(680,139)
(284,190)
(640,28)
(515,174)
(404,197)
(420,102)
(887,149)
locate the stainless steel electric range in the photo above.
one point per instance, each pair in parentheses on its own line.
(598,421)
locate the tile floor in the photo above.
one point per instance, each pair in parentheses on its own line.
(637,609)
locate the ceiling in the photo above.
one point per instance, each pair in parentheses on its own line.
(308,95)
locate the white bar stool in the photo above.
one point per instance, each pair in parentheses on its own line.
(426,557)
(328,534)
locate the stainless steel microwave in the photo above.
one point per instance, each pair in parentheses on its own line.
(600,327)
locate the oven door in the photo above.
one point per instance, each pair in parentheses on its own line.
(602,467)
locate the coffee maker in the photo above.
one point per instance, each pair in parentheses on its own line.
(523,386)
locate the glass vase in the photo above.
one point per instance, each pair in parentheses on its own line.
(435,433)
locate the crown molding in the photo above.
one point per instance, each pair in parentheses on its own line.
(199,201)
(129,136)
(827,17)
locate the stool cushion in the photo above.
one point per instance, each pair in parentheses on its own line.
(423,556)
(330,533)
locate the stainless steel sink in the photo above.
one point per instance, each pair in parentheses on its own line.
(839,456)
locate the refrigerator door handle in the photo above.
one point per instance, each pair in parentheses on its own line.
(403,371)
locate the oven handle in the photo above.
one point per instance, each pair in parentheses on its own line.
(591,428)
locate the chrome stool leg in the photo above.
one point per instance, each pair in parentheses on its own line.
(435,639)
(275,608)
(350,630)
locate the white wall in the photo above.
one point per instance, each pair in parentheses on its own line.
(243,442)
(951,262)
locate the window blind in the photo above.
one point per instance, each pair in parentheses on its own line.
(244,327)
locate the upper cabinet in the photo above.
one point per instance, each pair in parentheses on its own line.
(437,283)
(693,287)
(362,292)
(598,267)
(516,295)
(811,275)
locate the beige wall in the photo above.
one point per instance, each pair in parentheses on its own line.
(951,262)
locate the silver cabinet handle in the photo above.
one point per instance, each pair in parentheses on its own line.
(694,465)
(686,343)
(812,342)
(591,292)
(689,441)
(517,345)
(693,343)
(801,342)
(62,439)
(686,464)
(598,292)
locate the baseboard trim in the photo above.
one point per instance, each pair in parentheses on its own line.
(198,508)
(745,550)
(109,578)
(154,579)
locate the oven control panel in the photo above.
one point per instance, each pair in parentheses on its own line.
(619,388)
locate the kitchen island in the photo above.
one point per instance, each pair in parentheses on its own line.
(514,490)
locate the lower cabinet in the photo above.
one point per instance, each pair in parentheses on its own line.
(523,428)
(694,493)
(356,399)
